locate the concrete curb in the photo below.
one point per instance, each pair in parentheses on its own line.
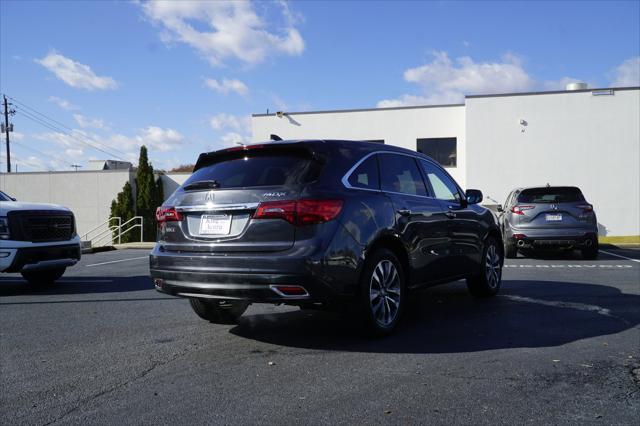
(143,245)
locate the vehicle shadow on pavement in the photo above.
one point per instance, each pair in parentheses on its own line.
(447,319)
(76,285)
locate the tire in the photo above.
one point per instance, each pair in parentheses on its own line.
(591,253)
(382,293)
(488,281)
(510,249)
(43,278)
(219,311)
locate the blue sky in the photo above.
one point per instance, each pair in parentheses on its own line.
(184,77)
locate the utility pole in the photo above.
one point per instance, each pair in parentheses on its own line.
(6,132)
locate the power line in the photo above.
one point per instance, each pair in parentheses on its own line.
(62,124)
(45,118)
(37,151)
(58,130)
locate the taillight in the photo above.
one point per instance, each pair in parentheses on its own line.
(276,210)
(586,207)
(167,214)
(302,212)
(520,209)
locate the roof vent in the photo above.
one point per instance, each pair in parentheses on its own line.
(576,86)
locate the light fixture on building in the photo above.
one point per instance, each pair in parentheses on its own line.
(279,114)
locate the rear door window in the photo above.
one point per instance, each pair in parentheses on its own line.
(257,170)
(550,195)
(399,173)
(366,174)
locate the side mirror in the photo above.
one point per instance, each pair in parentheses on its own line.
(13,199)
(474,196)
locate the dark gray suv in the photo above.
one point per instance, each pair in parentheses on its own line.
(321,223)
(549,217)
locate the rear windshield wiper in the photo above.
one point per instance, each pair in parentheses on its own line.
(202,184)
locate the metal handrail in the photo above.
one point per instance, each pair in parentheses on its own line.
(121,232)
(106,223)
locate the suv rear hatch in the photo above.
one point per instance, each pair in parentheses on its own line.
(552,207)
(214,208)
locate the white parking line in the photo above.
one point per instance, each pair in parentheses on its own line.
(118,261)
(621,256)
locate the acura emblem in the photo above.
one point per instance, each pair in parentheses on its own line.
(554,206)
(209,197)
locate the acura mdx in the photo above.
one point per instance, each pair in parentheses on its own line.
(320,223)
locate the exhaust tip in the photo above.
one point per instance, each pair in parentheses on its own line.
(520,243)
(158,282)
(290,290)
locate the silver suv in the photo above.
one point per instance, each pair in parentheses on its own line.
(548,217)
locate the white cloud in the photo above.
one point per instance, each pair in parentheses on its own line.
(227,85)
(221,30)
(153,137)
(17,136)
(63,103)
(74,73)
(627,73)
(233,138)
(442,81)
(84,121)
(231,122)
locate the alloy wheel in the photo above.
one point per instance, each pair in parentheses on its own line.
(384,293)
(493,269)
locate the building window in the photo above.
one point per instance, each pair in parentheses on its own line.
(374,140)
(443,150)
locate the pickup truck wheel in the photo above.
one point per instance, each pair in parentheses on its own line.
(382,293)
(42,278)
(487,282)
(219,311)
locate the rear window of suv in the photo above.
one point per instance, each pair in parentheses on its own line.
(551,195)
(257,170)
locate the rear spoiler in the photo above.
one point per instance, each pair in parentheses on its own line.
(296,149)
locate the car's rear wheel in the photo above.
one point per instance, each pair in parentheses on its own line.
(591,252)
(219,311)
(488,281)
(382,292)
(43,278)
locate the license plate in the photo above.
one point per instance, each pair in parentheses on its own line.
(219,224)
(554,217)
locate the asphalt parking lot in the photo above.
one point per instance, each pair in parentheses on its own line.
(559,345)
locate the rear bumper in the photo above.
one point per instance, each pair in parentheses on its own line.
(251,277)
(550,238)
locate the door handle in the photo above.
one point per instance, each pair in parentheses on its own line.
(450,214)
(404,212)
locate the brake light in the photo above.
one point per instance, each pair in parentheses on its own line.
(302,212)
(586,207)
(277,210)
(167,214)
(520,209)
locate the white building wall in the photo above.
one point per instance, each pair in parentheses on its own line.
(397,126)
(87,193)
(592,142)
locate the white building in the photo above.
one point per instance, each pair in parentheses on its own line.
(589,138)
